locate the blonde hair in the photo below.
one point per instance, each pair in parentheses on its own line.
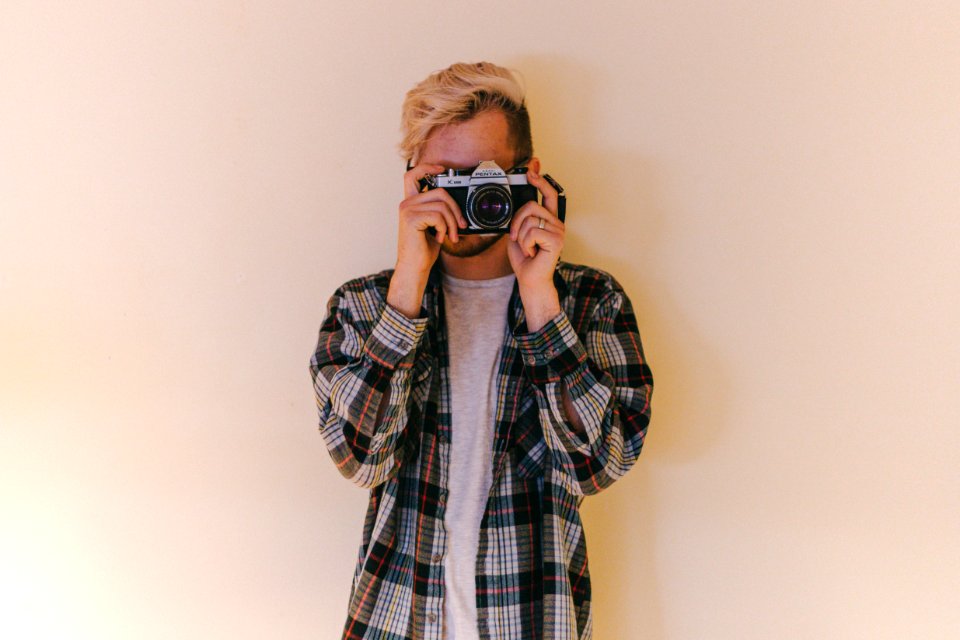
(457,94)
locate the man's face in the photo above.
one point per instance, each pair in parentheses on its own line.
(465,145)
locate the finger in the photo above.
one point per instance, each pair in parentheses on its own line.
(529,241)
(439,195)
(412,177)
(549,193)
(441,207)
(535,212)
(522,214)
(535,237)
(527,223)
(426,219)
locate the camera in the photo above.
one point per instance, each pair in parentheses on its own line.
(488,196)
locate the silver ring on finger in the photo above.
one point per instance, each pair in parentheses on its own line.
(542,224)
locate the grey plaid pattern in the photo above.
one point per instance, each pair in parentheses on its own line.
(532,575)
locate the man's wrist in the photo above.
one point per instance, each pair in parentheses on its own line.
(406,291)
(540,305)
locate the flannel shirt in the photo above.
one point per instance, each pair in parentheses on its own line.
(532,577)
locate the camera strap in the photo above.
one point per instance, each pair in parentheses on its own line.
(561,197)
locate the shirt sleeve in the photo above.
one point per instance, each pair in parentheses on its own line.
(353,367)
(609,384)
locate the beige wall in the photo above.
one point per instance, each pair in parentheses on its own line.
(182,185)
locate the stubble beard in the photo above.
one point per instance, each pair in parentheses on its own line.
(469,245)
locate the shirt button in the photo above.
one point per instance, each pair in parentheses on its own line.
(531,360)
(432,617)
(437,557)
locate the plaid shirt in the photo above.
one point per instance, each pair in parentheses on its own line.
(532,578)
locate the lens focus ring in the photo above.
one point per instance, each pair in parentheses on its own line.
(489,206)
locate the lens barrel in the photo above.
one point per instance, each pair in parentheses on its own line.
(489,206)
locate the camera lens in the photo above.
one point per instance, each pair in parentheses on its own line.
(490,206)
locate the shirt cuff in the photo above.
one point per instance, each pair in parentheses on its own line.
(394,338)
(552,352)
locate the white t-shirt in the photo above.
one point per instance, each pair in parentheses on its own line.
(476,319)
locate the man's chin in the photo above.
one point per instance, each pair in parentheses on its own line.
(470,245)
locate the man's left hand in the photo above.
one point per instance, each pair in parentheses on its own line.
(536,239)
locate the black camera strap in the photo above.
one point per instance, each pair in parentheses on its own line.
(561,197)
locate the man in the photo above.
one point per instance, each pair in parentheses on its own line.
(479,390)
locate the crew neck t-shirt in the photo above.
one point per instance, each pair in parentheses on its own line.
(476,319)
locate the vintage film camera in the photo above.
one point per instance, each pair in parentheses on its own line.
(488,196)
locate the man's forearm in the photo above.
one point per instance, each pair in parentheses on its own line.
(406,292)
(540,306)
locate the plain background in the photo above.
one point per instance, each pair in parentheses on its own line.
(183,185)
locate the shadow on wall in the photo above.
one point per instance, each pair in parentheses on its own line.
(617,221)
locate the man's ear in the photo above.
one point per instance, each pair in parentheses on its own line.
(534,165)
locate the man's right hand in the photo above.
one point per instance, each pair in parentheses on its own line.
(426,219)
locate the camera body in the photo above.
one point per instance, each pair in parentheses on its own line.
(487,195)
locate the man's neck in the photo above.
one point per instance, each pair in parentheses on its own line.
(492,263)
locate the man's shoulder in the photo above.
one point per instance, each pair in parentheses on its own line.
(379,281)
(367,292)
(583,281)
